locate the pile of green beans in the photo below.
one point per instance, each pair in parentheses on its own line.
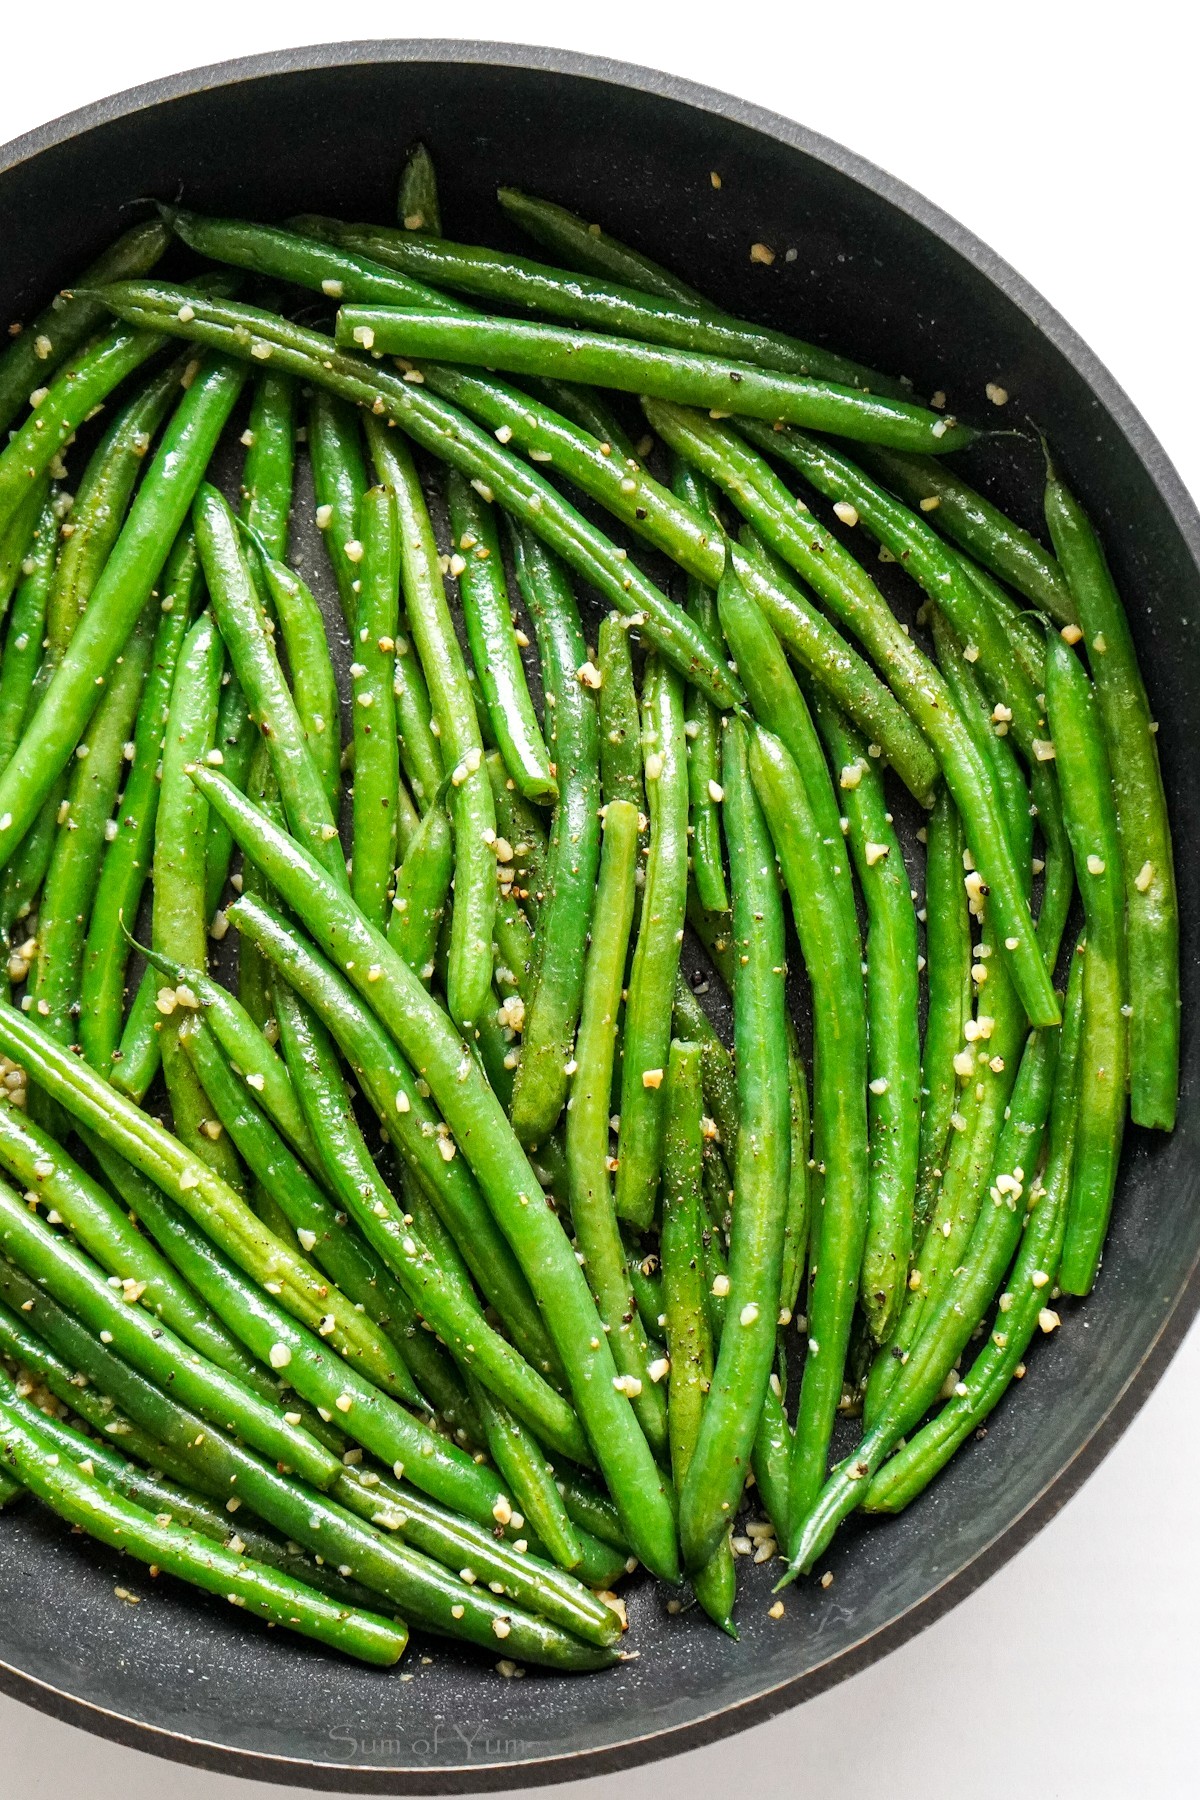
(407,1183)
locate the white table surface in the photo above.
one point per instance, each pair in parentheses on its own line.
(1069,139)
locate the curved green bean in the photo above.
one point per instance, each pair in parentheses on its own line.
(703,756)
(373,691)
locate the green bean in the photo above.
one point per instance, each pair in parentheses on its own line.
(937,571)
(417,199)
(893,1038)
(91,795)
(1023,628)
(479,1128)
(270,458)
(488,614)
(585,407)
(233,736)
(967,693)
(422,892)
(972,521)
(948,977)
(849,591)
(102,1229)
(314,684)
(689,1341)
(522,825)
(1088,798)
(180,925)
(46,342)
(386,1079)
(519,1458)
(731,1418)
(209,1459)
(62,408)
(593,1214)
(780,707)
(207,1199)
(720,1082)
(690,378)
(376,748)
(646,1285)
(76,1282)
(910,1469)
(242,623)
(646,1038)
(318,1373)
(126,861)
(96,521)
(339,483)
(1141,809)
(586,247)
(798,1222)
(118,598)
(622,306)
(146,1487)
(948,1332)
(347,1168)
(552,1011)
(473,810)
(830,946)
(86,1503)
(26,629)
(16,542)
(137,1058)
(987,1064)
(310,1214)
(835,665)
(708,870)
(453,438)
(620,723)
(251,1056)
(394,1245)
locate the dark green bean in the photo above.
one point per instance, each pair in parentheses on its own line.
(972,521)
(646,1038)
(893,1038)
(339,483)
(689,378)
(243,626)
(43,345)
(60,409)
(551,1013)
(1092,822)
(373,690)
(593,1214)
(23,647)
(708,871)
(689,1341)
(479,565)
(472,808)
(118,597)
(729,1427)
(620,723)
(520,1460)
(1141,808)
(948,978)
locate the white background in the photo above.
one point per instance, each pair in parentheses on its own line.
(1067,136)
